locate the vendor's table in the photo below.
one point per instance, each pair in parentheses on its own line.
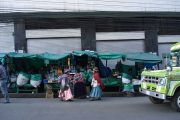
(50,87)
(26,88)
(112,82)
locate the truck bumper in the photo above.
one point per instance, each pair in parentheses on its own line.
(153,94)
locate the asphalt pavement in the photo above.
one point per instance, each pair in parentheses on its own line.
(109,108)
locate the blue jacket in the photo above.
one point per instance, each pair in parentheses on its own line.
(2,73)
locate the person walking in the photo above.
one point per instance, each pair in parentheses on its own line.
(97,86)
(3,83)
(65,93)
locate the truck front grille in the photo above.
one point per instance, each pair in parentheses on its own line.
(149,79)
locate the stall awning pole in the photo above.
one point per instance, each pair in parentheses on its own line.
(106,63)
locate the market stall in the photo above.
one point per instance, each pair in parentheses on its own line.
(85,61)
(111,78)
(20,66)
(142,60)
(54,64)
(83,58)
(2,57)
(31,69)
(143,57)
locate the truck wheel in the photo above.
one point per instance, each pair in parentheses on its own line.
(175,103)
(156,100)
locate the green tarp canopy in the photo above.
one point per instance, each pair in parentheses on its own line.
(143,57)
(86,52)
(110,55)
(2,56)
(111,82)
(50,56)
(27,62)
(24,62)
(43,56)
(21,55)
(175,47)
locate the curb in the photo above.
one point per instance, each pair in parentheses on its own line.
(43,95)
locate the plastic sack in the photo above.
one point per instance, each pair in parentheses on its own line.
(125,80)
(128,87)
(22,79)
(35,80)
(13,78)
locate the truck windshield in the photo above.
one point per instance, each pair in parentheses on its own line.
(175,59)
(175,54)
(171,59)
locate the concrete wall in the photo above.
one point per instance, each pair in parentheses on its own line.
(119,42)
(120,35)
(165,42)
(61,45)
(46,33)
(53,40)
(168,38)
(88,5)
(6,37)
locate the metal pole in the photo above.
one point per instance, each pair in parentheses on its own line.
(106,63)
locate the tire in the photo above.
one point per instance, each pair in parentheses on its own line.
(175,103)
(156,100)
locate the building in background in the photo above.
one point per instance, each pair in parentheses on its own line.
(37,26)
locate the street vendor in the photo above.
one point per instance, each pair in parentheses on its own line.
(79,85)
(89,74)
(116,74)
(88,77)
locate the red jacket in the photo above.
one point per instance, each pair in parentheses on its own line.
(97,77)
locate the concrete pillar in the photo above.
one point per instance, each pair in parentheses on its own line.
(151,37)
(88,35)
(20,35)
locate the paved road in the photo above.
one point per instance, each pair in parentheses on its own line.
(110,108)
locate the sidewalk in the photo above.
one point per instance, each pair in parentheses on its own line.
(42,95)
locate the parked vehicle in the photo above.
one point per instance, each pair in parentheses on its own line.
(161,85)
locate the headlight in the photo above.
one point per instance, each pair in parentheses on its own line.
(162,81)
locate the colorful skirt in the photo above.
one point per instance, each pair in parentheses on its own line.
(79,90)
(96,92)
(65,95)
